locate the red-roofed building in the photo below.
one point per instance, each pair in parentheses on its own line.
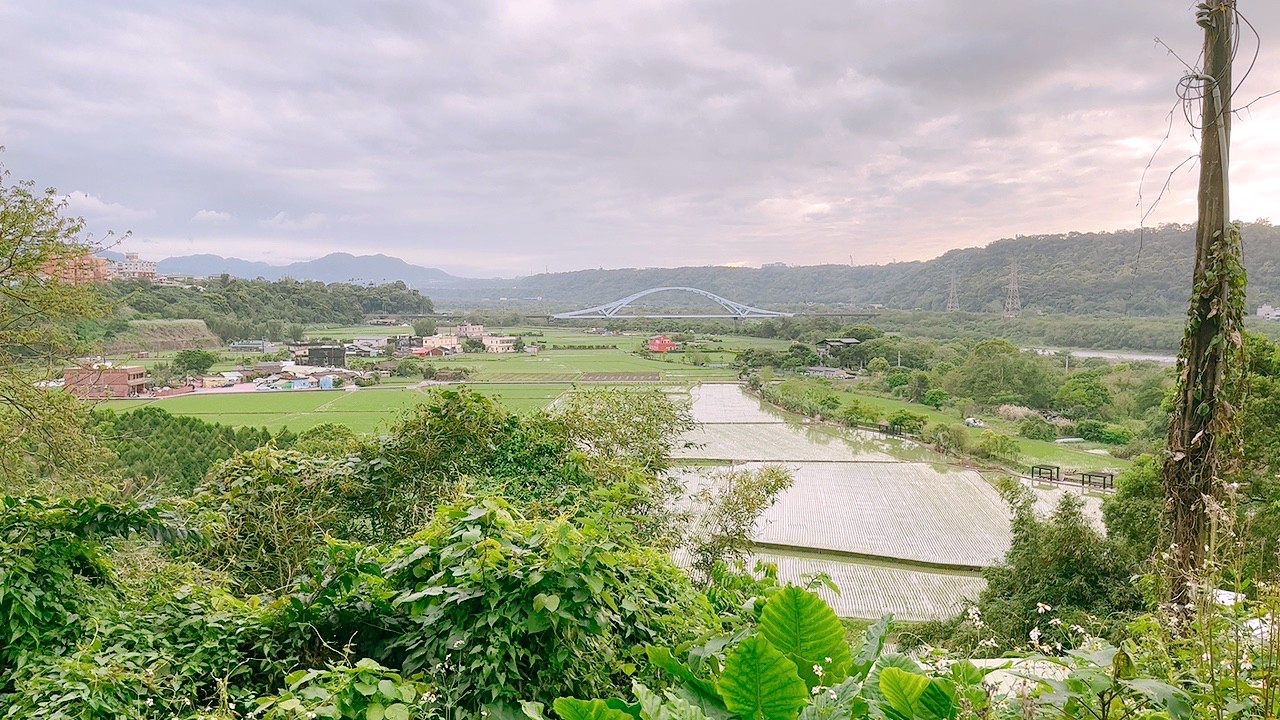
(661,344)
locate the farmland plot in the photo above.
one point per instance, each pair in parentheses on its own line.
(784,442)
(869,591)
(719,403)
(904,511)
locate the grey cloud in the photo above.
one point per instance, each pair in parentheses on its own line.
(493,137)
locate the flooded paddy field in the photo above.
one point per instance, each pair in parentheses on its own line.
(897,527)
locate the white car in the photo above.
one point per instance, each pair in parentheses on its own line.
(974,422)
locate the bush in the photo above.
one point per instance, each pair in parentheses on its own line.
(1101,432)
(936,398)
(1059,576)
(997,446)
(948,438)
(905,421)
(1037,428)
(532,610)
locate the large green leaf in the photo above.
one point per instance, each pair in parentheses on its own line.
(872,646)
(574,709)
(663,659)
(901,691)
(760,683)
(656,707)
(871,687)
(805,629)
(1171,699)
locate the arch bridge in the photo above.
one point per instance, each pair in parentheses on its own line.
(732,309)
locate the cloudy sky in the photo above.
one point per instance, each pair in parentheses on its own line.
(502,138)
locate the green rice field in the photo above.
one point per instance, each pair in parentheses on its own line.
(365,410)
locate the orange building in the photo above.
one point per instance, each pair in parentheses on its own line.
(78,269)
(98,383)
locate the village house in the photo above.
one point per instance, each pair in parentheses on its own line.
(449,342)
(661,344)
(499,343)
(104,381)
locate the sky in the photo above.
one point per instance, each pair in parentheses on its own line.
(510,138)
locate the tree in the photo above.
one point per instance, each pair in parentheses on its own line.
(194,362)
(472,345)
(424,327)
(996,372)
(44,259)
(1082,396)
(732,503)
(1201,429)
(936,398)
(997,446)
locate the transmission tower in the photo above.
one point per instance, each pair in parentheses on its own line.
(953,296)
(1012,304)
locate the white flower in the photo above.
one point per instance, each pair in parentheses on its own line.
(1035,635)
(1055,622)
(1246,663)
(828,660)
(458,644)
(832,694)
(150,702)
(310,715)
(1042,608)
(817,690)
(817,670)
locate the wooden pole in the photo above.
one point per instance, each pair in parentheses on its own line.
(1202,414)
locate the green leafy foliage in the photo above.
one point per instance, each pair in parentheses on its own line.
(194,362)
(1037,428)
(364,691)
(534,609)
(53,565)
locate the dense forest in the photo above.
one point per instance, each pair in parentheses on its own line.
(1127,272)
(250,309)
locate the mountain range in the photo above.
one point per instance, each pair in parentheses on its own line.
(1128,272)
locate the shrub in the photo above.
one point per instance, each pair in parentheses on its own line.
(948,438)
(532,610)
(936,398)
(908,422)
(997,446)
(1037,428)
(1101,432)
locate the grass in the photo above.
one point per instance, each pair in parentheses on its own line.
(570,365)
(1039,452)
(365,411)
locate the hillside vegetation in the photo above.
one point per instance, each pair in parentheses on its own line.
(1127,272)
(245,309)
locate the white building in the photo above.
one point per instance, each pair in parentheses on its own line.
(1266,312)
(462,331)
(133,267)
(499,344)
(449,342)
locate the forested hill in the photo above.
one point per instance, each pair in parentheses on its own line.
(1109,272)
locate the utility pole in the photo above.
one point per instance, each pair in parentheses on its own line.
(1012,303)
(953,295)
(1200,427)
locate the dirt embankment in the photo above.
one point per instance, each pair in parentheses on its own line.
(162,335)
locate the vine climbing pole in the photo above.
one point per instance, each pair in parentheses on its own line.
(1200,432)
